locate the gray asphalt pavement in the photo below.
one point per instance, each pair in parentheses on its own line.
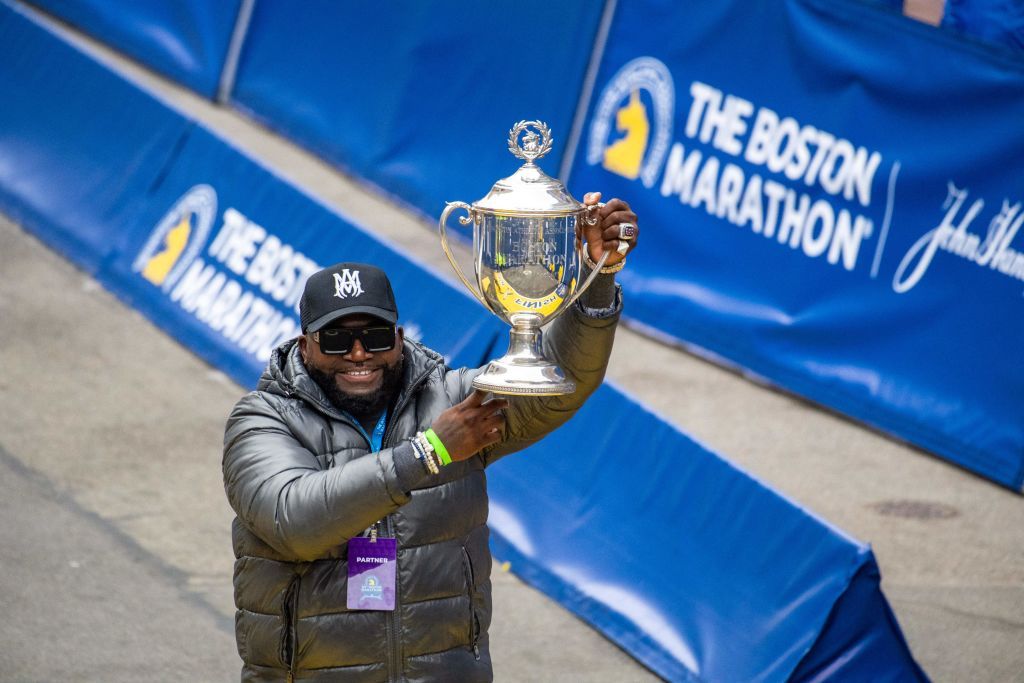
(110,444)
(82,601)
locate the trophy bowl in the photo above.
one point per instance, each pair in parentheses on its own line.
(527,257)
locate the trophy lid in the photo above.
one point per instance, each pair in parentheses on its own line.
(529,190)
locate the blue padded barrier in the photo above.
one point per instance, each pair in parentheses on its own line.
(186,40)
(696,569)
(410,99)
(830,198)
(861,640)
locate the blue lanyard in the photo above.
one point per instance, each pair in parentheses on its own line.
(377,442)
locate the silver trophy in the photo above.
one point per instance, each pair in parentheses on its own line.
(527,248)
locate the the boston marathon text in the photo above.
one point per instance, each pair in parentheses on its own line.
(798,156)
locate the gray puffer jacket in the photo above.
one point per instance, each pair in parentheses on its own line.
(302,480)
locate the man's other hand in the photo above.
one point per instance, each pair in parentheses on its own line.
(468,427)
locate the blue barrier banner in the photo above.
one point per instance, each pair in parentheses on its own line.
(418,101)
(698,570)
(830,197)
(186,40)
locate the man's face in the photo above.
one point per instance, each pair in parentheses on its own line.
(360,382)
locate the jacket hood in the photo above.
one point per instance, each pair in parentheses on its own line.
(286,374)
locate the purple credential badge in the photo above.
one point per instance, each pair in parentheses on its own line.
(371,573)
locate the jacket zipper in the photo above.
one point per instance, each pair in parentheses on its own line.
(394,633)
(394,619)
(290,614)
(474,621)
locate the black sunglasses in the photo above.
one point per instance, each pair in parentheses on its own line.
(339,340)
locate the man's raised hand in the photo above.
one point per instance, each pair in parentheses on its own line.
(616,231)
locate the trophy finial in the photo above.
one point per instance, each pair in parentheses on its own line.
(536,142)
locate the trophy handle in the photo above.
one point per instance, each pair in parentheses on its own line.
(465,220)
(590,278)
(590,219)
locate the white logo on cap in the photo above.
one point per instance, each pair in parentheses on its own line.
(347,284)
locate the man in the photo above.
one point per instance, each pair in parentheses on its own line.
(356,470)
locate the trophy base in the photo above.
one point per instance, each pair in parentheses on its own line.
(524,371)
(537,379)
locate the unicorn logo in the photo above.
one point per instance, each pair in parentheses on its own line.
(346,284)
(177,238)
(640,152)
(625,156)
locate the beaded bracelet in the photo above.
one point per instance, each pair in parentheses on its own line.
(429,451)
(421,454)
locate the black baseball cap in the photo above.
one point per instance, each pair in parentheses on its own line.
(346,289)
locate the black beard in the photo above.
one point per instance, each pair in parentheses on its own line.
(361,407)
